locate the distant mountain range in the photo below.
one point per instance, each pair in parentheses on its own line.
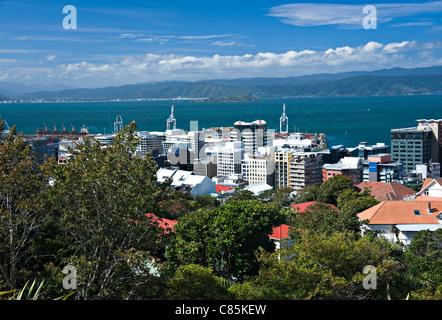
(394,81)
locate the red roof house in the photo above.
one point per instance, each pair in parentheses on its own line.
(301,207)
(166,224)
(387,191)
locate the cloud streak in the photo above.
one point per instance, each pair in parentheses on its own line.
(315,14)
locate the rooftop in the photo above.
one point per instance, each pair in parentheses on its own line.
(403,212)
(280,232)
(386,191)
(301,207)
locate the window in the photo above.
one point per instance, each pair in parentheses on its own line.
(417,212)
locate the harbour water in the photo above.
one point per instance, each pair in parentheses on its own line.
(345,120)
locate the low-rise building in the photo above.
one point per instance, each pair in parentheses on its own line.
(380,168)
(430,190)
(399,221)
(429,170)
(350,167)
(187,181)
(258,188)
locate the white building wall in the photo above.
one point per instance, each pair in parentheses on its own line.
(435,190)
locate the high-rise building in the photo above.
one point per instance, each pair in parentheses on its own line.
(253,134)
(411,146)
(282,169)
(260,167)
(152,141)
(229,158)
(304,170)
(436,138)
(44,147)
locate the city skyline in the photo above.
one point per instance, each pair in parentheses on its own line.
(116,43)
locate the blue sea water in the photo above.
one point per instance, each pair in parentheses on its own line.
(345,120)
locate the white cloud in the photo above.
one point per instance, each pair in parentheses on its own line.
(160,67)
(224,43)
(317,14)
(396,47)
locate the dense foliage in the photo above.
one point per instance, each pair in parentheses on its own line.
(93,214)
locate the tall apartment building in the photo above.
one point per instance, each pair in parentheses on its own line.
(411,146)
(282,169)
(305,169)
(229,158)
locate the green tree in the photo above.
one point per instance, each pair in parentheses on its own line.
(330,189)
(320,266)
(101,197)
(352,201)
(194,282)
(22,189)
(322,218)
(307,194)
(226,238)
(424,262)
(283,196)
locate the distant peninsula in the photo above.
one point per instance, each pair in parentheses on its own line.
(386,82)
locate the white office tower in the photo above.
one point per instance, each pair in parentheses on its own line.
(152,141)
(173,137)
(253,134)
(260,167)
(196,141)
(229,158)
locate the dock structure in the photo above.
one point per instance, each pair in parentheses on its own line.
(283,121)
(171,121)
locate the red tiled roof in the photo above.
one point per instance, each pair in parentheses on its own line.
(280,232)
(220,188)
(303,206)
(386,191)
(164,223)
(402,212)
(427,198)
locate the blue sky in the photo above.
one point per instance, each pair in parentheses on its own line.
(122,42)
